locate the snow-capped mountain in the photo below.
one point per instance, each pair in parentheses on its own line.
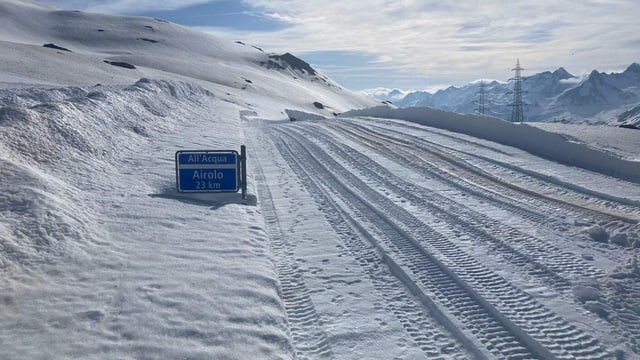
(628,80)
(548,96)
(385,94)
(595,94)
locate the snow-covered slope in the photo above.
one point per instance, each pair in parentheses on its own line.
(630,118)
(94,43)
(595,94)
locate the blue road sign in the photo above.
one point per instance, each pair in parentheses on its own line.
(207,171)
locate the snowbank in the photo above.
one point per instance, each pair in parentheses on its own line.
(101,257)
(534,140)
(53,142)
(302,115)
(623,143)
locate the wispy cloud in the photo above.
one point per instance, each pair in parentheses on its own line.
(439,40)
(459,40)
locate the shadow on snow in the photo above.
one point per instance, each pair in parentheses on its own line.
(213,200)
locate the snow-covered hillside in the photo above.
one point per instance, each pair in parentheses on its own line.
(98,46)
(428,236)
(556,96)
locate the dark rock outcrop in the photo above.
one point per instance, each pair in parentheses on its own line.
(54,46)
(120,64)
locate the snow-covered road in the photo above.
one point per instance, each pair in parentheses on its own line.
(469,246)
(360,238)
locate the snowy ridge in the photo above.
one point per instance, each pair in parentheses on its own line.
(534,140)
(52,123)
(556,96)
(46,129)
(108,49)
(630,118)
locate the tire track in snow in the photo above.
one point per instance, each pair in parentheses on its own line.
(536,257)
(418,323)
(434,279)
(510,322)
(623,299)
(568,199)
(456,181)
(309,339)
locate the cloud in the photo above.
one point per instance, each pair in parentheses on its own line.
(443,41)
(460,40)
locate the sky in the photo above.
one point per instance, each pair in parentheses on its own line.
(413,44)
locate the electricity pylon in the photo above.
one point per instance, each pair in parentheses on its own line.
(517,115)
(481,99)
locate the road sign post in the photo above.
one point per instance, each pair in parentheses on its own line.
(211,170)
(243,161)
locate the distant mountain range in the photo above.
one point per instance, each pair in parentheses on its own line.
(556,96)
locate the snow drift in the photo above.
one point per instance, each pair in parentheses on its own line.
(80,270)
(549,145)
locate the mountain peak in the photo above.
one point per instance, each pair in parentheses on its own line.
(595,74)
(562,74)
(634,68)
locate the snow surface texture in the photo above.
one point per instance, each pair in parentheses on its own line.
(625,145)
(360,238)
